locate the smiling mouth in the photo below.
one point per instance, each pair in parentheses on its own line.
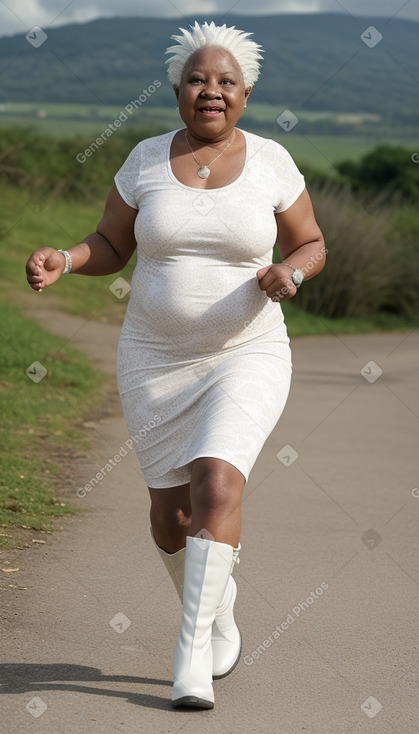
(211,110)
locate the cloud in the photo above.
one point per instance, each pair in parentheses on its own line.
(18,16)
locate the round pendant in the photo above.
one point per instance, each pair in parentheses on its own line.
(203,172)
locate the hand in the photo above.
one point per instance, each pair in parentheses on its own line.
(276,281)
(44,267)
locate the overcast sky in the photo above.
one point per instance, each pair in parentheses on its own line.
(19,16)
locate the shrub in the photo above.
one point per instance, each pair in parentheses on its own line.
(372,266)
(48,167)
(386,168)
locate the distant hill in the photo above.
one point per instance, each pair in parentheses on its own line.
(312,62)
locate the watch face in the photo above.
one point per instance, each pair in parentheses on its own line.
(297,277)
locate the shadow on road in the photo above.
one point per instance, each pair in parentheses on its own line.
(27,677)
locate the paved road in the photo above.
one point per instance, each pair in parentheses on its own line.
(328,580)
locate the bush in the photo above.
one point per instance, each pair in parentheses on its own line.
(48,167)
(372,266)
(387,168)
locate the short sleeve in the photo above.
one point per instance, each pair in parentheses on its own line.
(291,182)
(126,179)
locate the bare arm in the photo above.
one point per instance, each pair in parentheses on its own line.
(300,243)
(103,252)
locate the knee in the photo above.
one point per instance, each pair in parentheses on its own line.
(214,489)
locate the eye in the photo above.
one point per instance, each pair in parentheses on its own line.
(196,80)
(227,81)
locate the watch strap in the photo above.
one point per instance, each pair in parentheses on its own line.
(68,262)
(290,266)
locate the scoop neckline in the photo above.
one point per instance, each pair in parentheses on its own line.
(195,188)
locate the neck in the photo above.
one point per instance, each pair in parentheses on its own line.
(223,137)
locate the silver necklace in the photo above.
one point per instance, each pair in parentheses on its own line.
(204,171)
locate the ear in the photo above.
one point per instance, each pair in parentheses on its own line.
(247,93)
(176,91)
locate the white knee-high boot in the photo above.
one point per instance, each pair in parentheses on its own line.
(208,567)
(225,638)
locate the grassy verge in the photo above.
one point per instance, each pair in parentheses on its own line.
(39,421)
(302,323)
(42,422)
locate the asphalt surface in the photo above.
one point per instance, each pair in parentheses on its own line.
(328,579)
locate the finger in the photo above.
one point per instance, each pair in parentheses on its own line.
(268,282)
(284,294)
(260,273)
(37,286)
(278,298)
(281,286)
(34,265)
(37,259)
(31,268)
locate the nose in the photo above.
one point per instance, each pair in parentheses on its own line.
(210,94)
(211,89)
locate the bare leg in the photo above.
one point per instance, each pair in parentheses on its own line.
(210,506)
(216,490)
(170,516)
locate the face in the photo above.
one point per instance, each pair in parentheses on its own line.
(211,95)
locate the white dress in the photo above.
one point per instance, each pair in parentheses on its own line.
(204,363)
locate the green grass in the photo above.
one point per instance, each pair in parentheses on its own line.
(26,225)
(41,421)
(301,323)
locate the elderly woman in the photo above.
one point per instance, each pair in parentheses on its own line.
(203,358)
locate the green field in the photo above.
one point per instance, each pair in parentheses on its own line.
(312,148)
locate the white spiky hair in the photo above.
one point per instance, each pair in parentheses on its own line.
(245,52)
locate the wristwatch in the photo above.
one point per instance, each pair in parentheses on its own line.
(297,276)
